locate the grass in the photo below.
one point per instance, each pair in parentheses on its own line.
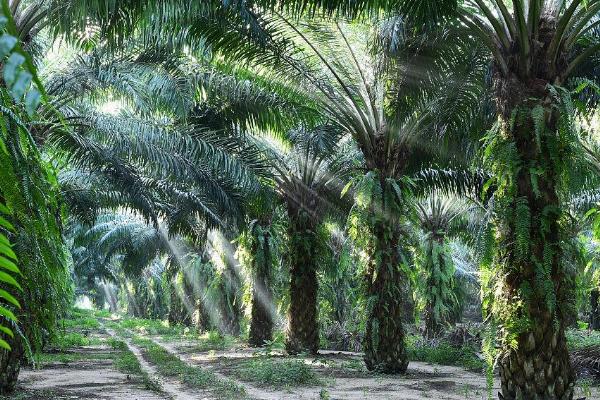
(213,341)
(79,319)
(151,327)
(66,340)
(278,373)
(170,365)
(101,313)
(577,339)
(356,365)
(127,363)
(123,359)
(65,358)
(444,354)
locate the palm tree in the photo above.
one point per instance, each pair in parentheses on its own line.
(307,177)
(535,51)
(535,47)
(257,251)
(351,96)
(351,91)
(436,215)
(27,189)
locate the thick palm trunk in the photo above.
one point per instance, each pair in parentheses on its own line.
(177,312)
(303,331)
(261,324)
(433,324)
(387,289)
(384,345)
(10,366)
(131,302)
(595,310)
(200,317)
(531,311)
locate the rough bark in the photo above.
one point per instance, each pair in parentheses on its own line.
(595,310)
(384,345)
(261,323)
(97,295)
(303,331)
(433,327)
(10,366)
(534,363)
(200,317)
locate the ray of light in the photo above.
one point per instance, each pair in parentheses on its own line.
(198,287)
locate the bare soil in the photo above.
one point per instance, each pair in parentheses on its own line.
(343,377)
(423,381)
(85,379)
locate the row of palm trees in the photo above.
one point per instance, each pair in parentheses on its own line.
(205,83)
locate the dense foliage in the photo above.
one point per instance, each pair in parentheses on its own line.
(364,175)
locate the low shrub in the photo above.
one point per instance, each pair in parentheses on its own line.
(278,372)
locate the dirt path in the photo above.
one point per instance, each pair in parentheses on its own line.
(89,372)
(90,375)
(253,392)
(422,382)
(173,389)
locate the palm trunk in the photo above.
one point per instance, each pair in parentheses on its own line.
(10,365)
(303,331)
(384,346)
(595,310)
(437,285)
(534,362)
(97,296)
(178,313)
(231,311)
(200,318)
(261,324)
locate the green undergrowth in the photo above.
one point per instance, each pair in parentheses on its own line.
(127,363)
(355,365)
(212,341)
(66,340)
(577,339)
(79,319)
(116,326)
(169,365)
(44,359)
(151,327)
(444,354)
(278,372)
(101,313)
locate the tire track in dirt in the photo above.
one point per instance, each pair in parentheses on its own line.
(174,389)
(422,383)
(254,393)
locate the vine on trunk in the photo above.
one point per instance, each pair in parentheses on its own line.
(381,208)
(528,154)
